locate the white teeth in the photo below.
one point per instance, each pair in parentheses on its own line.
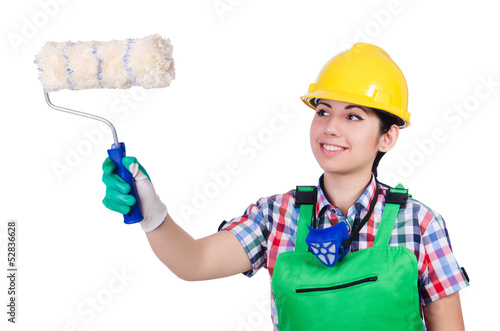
(332,148)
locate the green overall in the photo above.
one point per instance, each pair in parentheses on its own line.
(370,289)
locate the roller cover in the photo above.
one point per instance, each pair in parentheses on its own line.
(145,62)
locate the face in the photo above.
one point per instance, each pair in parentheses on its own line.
(345,137)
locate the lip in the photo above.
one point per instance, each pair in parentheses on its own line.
(331,149)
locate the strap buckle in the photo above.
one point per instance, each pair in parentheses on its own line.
(397,196)
(305,195)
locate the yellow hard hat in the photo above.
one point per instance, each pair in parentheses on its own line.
(364,75)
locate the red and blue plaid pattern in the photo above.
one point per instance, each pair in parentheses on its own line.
(268,229)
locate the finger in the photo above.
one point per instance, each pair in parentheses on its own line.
(108,166)
(131,164)
(110,204)
(115,182)
(120,198)
(135,168)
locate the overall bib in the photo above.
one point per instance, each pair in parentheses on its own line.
(370,289)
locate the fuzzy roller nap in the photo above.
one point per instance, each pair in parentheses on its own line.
(145,62)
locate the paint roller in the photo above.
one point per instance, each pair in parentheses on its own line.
(118,64)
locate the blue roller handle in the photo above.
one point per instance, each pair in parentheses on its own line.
(116,155)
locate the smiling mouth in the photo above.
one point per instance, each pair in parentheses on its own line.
(332,148)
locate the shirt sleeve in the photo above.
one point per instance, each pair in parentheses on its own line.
(442,275)
(251,231)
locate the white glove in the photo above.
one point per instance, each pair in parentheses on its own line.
(118,199)
(153,210)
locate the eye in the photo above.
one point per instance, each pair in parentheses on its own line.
(322,112)
(353,117)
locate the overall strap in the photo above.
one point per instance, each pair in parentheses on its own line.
(305,198)
(394,199)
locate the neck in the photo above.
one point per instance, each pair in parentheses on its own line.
(343,190)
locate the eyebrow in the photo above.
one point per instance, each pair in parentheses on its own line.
(346,108)
(356,106)
(324,103)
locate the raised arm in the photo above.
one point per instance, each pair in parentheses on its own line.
(216,256)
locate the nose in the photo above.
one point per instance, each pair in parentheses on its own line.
(332,127)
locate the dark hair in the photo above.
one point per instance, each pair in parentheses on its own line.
(386,121)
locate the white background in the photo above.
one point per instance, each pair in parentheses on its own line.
(240,65)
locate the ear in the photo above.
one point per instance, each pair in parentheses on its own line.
(388,140)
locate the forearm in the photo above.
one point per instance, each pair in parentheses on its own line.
(175,248)
(216,256)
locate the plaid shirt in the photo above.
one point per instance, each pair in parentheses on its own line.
(269,227)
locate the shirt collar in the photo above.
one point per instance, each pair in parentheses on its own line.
(363,202)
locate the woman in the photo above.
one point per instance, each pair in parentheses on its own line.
(360,98)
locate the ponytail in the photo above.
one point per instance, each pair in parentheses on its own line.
(376,162)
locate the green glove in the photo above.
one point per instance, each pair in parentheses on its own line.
(118,199)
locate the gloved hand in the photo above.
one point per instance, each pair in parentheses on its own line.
(118,199)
